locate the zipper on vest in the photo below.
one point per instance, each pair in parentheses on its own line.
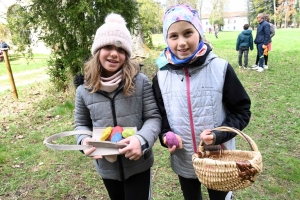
(113,110)
(188,92)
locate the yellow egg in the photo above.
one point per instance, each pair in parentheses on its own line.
(106,133)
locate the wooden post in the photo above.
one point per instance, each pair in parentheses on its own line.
(10,74)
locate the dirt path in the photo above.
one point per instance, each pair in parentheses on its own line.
(23,78)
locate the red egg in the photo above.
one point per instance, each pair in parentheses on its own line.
(115,130)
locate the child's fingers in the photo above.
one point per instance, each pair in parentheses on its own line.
(89,151)
(172,150)
(165,140)
(179,142)
(97,157)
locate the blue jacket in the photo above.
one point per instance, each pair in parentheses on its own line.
(263,33)
(245,39)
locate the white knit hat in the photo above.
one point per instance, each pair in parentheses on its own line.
(113,32)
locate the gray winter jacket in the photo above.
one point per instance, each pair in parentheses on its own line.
(272,31)
(101,110)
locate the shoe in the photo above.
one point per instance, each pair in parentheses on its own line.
(260,69)
(246,68)
(240,67)
(266,67)
(254,66)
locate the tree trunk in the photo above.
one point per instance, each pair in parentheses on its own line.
(138,46)
(274,4)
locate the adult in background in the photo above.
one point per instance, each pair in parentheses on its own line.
(272,33)
(243,43)
(262,40)
(266,54)
(3,44)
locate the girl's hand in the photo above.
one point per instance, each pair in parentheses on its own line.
(133,151)
(207,137)
(87,152)
(172,149)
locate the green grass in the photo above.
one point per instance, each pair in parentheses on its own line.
(19,64)
(30,170)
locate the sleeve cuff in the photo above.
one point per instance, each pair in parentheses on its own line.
(144,143)
(214,137)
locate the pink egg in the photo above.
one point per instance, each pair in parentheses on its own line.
(172,139)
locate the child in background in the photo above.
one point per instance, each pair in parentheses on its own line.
(116,94)
(196,91)
(243,43)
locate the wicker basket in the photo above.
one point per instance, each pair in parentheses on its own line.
(228,170)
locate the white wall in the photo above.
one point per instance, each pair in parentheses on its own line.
(234,23)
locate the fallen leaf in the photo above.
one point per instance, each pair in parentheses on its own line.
(20,137)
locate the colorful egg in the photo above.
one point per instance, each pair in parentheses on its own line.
(106,133)
(172,139)
(116,137)
(114,131)
(127,132)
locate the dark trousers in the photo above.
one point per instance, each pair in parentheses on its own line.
(136,187)
(245,51)
(191,189)
(265,58)
(260,55)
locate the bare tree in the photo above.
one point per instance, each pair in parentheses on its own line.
(274,4)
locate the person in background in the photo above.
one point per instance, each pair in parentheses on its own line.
(195,91)
(114,93)
(262,40)
(243,43)
(3,44)
(269,47)
(216,31)
(272,33)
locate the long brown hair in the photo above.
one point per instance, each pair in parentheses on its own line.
(93,70)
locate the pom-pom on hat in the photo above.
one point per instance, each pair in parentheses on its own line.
(113,32)
(181,12)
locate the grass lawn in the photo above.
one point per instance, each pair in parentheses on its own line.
(19,64)
(30,170)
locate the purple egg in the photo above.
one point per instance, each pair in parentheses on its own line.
(116,137)
(172,139)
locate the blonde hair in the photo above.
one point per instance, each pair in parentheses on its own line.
(93,70)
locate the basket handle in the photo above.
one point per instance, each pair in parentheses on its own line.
(251,143)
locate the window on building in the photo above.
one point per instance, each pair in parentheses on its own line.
(234,21)
(206,23)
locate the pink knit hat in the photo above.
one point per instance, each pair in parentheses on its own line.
(113,32)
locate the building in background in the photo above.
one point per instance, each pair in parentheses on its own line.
(235,15)
(38,46)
